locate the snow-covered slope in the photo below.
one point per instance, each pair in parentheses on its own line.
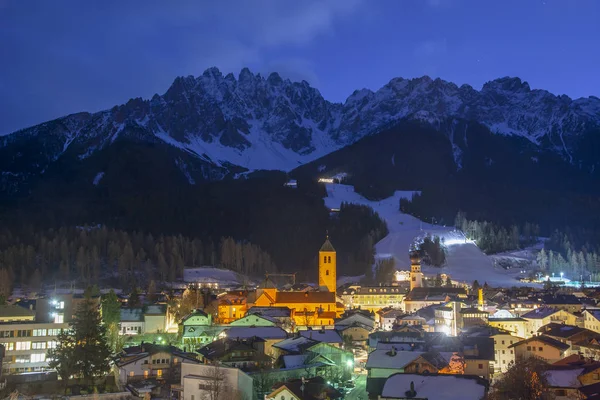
(465,261)
(255,122)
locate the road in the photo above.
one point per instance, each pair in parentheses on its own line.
(360,391)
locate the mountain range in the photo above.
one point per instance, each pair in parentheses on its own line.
(216,126)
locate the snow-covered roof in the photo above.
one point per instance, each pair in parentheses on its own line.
(156,309)
(210,275)
(132,315)
(297,344)
(323,335)
(294,361)
(391,359)
(264,332)
(540,313)
(565,378)
(434,387)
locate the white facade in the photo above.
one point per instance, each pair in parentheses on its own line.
(156,365)
(503,355)
(201,381)
(131,327)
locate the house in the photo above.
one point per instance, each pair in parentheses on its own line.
(479,356)
(591,320)
(410,336)
(281,315)
(564,382)
(568,334)
(155,318)
(254,320)
(354,318)
(199,381)
(197,328)
(504,354)
(471,316)
(131,322)
(383,363)
(433,387)
(330,336)
(270,334)
(544,315)
(567,302)
(232,306)
(151,361)
(315,388)
(387,318)
(544,347)
(374,298)
(246,354)
(358,334)
(516,326)
(421,297)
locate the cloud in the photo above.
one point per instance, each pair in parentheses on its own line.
(91,56)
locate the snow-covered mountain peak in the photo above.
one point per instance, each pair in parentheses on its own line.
(273,123)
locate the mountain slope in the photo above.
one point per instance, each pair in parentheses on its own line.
(223,126)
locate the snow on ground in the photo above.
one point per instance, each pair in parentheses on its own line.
(208,275)
(465,261)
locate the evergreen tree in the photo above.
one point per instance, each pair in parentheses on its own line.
(475,286)
(83,349)
(63,357)
(134,298)
(152,291)
(438,280)
(92,353)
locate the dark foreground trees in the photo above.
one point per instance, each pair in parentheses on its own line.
(82,350)
(524,380)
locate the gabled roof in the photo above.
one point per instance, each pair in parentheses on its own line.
(323,335)
(307,389)
(564,331)
(264,332)
(544,339)
(136,353)
(295,345)
(132,315)
(540,313)
(561,299)
(439,387)
(390,359)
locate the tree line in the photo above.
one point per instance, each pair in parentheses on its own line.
(123,259)
(571,253)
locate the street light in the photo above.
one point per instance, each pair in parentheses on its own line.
(561,275)
(349,363)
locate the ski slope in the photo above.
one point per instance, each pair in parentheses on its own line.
(465,262)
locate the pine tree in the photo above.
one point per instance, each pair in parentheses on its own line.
(152,291)
(91,349)
(475,286)
(134,298)
(438,280)
(83,349)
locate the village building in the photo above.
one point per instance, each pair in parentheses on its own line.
(516,326)
(151,361)
(544,315)
(544,347)
(310,308)
(315,388)
(200,381)
(432,387)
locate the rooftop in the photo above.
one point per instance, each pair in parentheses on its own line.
(428,387)
(544,339)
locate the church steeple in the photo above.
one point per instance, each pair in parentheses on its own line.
(416,277)
(327,266)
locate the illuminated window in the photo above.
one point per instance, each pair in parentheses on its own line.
(39,357)
(159,373)
(59,318)
(23,345)
(131,373)
(145,373)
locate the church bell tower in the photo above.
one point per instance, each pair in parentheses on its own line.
(327,267)
(416,277)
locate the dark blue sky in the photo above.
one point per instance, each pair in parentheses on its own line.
(59,57)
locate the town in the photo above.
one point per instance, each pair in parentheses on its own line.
(216,339)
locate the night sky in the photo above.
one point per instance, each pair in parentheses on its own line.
(59,57)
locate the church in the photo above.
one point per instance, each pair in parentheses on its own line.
(419,296)
(309,308)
